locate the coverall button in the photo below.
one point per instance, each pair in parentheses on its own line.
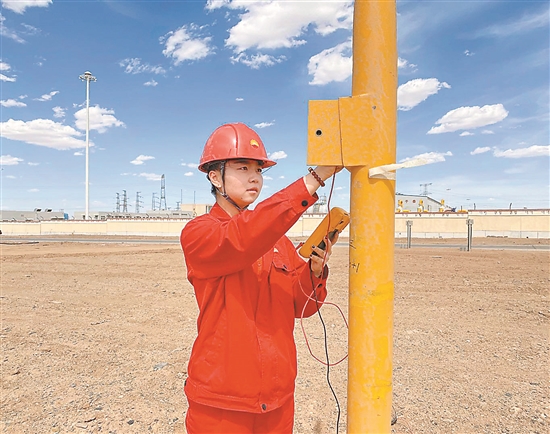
(264,407)
(304,203)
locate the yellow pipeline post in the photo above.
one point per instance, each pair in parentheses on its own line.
(359,132)
(373,219)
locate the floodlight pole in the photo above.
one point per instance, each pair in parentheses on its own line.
(87,77)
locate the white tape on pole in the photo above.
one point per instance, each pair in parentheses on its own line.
(388,170)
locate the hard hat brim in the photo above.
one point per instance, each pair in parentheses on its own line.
(265,163)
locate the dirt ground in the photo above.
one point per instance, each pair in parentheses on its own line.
(95,337)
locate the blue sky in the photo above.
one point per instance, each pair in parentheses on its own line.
(473,96)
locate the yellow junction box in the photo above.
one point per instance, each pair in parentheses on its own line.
(337,132)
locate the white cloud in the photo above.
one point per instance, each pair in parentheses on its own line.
(277,155)
(191,165)
(151,176)
(185,44)
(429,157)
(78,154)
(413,92)
(134,66)
(33,164)
(264,124)
(8,33)
(404,64)
(468,53)
(150,83)
(19,6)
(10,177)
(280,24)
(8,160)
(140,159)
(58,112)
(480,150)
(188,174)
(6,78)
(100,119)
(47,96)
(33,190)
(256,61)
(30,30)
(332,64)
(12,103)
(4,66)
(525,23)
(464,118)
(531,151)
(487,132)
(239,99)
(267,178)
(215,4)
(466,133)
(42,132)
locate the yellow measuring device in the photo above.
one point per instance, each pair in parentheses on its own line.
(334,222)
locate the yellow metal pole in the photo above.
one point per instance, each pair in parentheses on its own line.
(372,228)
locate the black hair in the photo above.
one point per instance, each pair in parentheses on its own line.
(214,165)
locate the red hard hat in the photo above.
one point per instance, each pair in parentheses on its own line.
(234,141)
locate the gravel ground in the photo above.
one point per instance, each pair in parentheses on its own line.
(95,337)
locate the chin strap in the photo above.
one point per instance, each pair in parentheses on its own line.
(224,194)
(231,201)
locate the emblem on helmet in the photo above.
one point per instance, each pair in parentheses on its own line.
(254,143)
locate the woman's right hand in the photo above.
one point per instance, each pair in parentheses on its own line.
(323,172)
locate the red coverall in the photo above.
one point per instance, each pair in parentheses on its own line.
(249,283)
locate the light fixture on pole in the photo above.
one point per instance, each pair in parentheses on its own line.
(87,77)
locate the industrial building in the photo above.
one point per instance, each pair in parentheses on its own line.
(32,216)
(419,203)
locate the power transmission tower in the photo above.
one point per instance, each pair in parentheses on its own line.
(124,202)
(117,202)
(162,205)
(138,201)
(154,202)
(426,192)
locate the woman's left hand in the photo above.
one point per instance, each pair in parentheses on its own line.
(318,261)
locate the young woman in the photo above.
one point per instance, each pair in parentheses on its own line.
(250,285)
